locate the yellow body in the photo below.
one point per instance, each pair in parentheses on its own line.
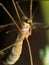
(16,51)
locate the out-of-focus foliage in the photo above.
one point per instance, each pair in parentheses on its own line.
(45,12)
(44,55)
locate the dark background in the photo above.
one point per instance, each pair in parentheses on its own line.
(37,39)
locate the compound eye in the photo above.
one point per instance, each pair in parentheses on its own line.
(26,20)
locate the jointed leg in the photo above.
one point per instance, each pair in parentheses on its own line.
(34,11)
(11,17)
(31,9)
(16,11)
(20,9)
(29,51)
(3,26)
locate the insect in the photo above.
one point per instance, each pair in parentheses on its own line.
(24,33)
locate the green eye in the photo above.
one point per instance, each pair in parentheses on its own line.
(28,21)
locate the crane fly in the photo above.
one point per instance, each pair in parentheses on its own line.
(24,32)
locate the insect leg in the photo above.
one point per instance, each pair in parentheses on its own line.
(20,9)
(34,11)
(17,11)
(31,9)
(29,51)
(3,26)
(11,17)
(16,51)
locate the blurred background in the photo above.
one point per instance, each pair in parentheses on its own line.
(37,40)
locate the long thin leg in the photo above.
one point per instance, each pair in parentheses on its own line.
(16,11)
(29,51)
(11,17)
(20,9)
(7,32)
(34,11)
(3,26)
(6,48)
(31,9)
(2,51)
